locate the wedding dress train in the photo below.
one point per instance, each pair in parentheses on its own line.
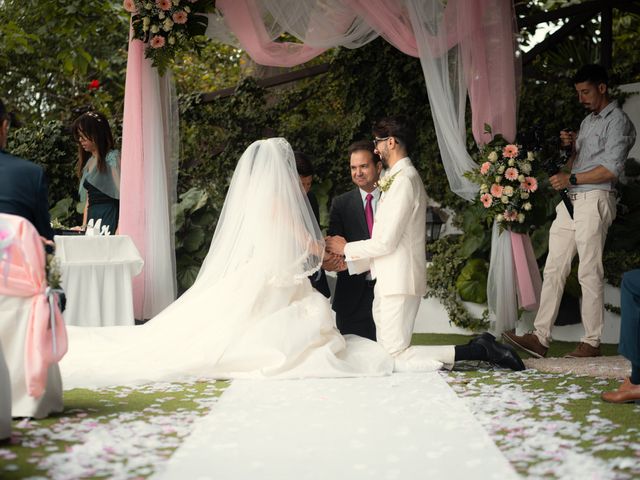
(251,313)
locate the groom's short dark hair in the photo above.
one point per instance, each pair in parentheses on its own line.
(397,127)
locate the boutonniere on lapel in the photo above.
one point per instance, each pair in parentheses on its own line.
(385,182)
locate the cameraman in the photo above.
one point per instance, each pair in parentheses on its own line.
(599,151)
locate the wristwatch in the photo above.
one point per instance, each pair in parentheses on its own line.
(573,179)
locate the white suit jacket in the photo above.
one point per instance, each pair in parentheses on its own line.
(396,253)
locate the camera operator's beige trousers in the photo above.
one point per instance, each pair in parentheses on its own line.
(593,213)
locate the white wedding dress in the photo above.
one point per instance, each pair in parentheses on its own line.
(251,313)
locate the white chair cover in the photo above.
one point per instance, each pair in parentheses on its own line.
(14,319)
(5,398)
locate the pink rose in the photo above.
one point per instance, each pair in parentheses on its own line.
(485,168)
(130,6)
(510,151)
(180,17)
(157,41)
(486,200)
(530,184)
(496,190)
(511,173)
(163,4)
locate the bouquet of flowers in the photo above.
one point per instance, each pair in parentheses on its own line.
(507,183)
(168,26)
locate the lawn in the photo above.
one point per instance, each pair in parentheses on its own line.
(547,425)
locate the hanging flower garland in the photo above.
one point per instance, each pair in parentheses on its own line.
(168,26)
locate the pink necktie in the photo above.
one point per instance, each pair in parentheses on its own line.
(368,213)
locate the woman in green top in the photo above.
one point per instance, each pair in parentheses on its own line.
(98,169)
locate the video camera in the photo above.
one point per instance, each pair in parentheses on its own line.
(554,156)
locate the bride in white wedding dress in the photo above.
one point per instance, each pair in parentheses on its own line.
(251,313)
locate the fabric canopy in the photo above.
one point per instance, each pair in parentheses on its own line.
(465,47)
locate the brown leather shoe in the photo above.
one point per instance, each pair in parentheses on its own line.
(584,350)
(626,393)
(527,342)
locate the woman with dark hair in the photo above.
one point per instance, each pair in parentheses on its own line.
(98,169)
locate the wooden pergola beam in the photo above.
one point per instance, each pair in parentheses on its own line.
(270,82)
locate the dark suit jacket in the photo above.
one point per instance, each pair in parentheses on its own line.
(347,220)
(318,279)
(23,192)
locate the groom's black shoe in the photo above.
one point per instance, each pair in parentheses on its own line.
(499,354)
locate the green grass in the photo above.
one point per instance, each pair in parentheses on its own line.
(557,397)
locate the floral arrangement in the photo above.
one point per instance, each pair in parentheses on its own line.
(168,26)
(508,184)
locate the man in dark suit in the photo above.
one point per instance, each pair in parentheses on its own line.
(23,185)
(305,172)
(353,296)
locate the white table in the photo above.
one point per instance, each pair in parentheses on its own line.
(96,277)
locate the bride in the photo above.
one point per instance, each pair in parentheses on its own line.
(251,312)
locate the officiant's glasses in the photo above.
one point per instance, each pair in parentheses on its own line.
(377,140)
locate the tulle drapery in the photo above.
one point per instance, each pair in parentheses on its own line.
(147,187)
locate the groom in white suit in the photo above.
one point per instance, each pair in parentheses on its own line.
(395,254)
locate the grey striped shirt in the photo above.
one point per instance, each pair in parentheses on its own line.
(605,139)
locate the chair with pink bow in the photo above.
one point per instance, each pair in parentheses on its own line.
(33,336)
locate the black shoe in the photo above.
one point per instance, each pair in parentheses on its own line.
(499,354)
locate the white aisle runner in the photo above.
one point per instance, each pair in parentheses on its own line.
(405,426)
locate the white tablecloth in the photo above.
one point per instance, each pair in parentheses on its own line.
(96,277)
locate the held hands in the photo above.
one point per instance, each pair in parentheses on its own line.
(333,263)
(335,244)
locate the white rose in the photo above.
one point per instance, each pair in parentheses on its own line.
(530,156)
(166,26)
(493,156)
(508,191)
(511,162)
(501,169)
(499,218)
(521,217)
(524,195)
(148,6)
(498,179)
(161,15)
(172,40)
(504,199)
(521,178)
(155,29)
(484,188)
(527,206)
(526,168)
(146,21)
(187,9)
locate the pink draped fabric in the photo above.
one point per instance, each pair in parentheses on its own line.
(244,20)
(22,274)
(132,184)
(528,278)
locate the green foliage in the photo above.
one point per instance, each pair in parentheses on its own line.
(195,221)
(50,51)
(50,144)
(447,266)
(472,281)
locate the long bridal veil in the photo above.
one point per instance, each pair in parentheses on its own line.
(251,312)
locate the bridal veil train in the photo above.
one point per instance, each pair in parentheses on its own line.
(251,313)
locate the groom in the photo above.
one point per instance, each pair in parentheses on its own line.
(395,255)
